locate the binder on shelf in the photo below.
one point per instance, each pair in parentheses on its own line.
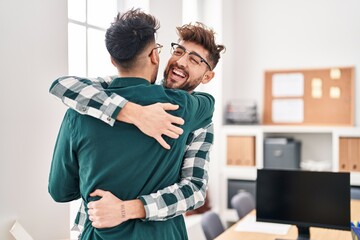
(241,150)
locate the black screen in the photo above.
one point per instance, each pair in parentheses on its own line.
(303,198)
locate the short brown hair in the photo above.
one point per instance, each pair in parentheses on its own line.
(200,34)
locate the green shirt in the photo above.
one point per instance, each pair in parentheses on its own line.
(90,155)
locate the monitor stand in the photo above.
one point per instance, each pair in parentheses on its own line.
(303,234)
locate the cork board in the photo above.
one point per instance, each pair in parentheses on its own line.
(309,97)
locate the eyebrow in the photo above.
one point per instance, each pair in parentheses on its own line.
(192,52)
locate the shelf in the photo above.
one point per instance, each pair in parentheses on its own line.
(348,132)
(243,130)
(297,129)
(241,173)
(251,129)
(355,179)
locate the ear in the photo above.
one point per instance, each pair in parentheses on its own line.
(113,61)
(154,57)
(207,77)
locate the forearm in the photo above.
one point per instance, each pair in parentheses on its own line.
(129,113)
(87,96)
(133,209)
(110,211)
(190,192)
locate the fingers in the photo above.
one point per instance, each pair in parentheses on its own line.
(92,215)
(169,106)
(171,134)
(176,120)
(96,221)
(91,205)
(97,224)
(172,131)
(157,123)
(173,119)
(176,130)
(162,142)
(98,192)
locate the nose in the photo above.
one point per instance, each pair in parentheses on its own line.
(182,61)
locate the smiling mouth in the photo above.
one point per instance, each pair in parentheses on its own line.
(177,75)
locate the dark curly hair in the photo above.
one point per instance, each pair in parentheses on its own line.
(128,36)
(200,34)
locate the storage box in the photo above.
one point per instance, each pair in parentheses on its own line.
(282,154)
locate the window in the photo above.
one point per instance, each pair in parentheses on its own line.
(88,21)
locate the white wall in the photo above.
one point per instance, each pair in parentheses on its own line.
(33,52)
(169,14)
(212,16)
(282,34)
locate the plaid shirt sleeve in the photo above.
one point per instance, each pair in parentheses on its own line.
(181,197)
(80,219)
(190,192)
(87,96)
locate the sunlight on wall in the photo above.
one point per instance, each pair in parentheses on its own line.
(189,11)
(124,5)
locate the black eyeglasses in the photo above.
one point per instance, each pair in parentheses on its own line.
(193,57)
(158,48)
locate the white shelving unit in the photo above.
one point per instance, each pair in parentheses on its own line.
(318,143)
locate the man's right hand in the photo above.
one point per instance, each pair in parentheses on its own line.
(153,120)
(110,211)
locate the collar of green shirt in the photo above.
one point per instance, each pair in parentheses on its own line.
(128,81)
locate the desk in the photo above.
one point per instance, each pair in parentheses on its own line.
(315,233)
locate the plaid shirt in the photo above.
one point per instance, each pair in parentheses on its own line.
(87,97)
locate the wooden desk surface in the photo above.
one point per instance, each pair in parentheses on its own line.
(315,233)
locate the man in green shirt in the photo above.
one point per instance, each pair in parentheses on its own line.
(83,159)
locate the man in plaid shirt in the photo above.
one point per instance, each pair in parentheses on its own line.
(183,71)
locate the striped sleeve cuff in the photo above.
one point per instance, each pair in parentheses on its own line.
(113,104)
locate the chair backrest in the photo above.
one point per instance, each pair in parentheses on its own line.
(243,203)
(211,225)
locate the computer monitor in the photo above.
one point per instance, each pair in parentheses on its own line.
(303,198)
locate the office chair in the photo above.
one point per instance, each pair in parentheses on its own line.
(211,225)
(355,193)
(243,203)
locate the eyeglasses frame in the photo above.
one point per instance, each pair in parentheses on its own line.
(188,52)
(158,47)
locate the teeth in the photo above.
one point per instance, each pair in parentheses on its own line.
(179,73)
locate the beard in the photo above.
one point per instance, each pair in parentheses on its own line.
(188,85)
